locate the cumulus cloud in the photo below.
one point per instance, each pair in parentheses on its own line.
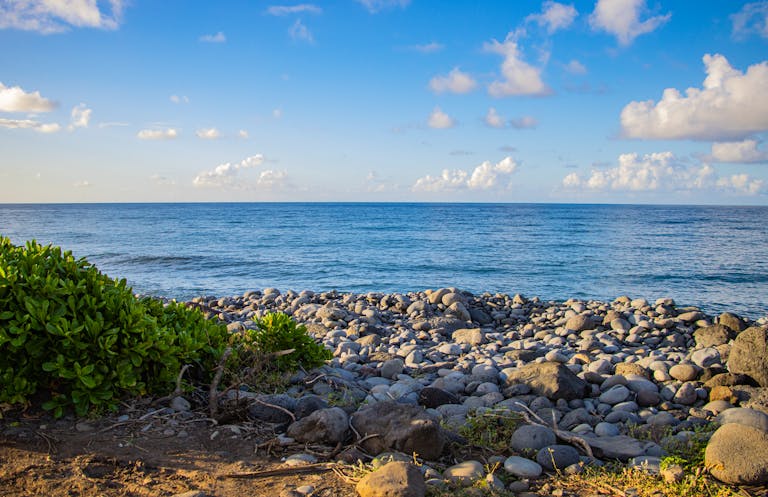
(179,99)
(214,38)
(80,117)
(493,119)
(243,134)
(554,16)
(208,133)
(277,113)
(486,176)
(621,18)
(751,19)
(285,10)
(300,32)
(575,67)
(29,124)
(725,108)
(375,6)
(56,16)
(662,172)
(15,99)
(520,78)
(440,120)
(454,82)
(158,134)
(525,122)
(742,152)
(428,48)
(227,175)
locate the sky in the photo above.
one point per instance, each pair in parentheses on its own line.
(607,101)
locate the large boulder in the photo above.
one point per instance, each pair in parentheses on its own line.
(749,355)
(550,379)
(712,336)
(329,426)
(394,479)
(401,427)
(737,454)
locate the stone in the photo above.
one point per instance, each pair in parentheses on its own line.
(553,380)
(614,395)
(533,437)
(465,473)
(391,368)
(580,322)
(307,404)
(522,467)
(180,404)
(651,464)
(729,380)
(686,394)
(604,429)
(723,393)
(263,411)
(712,336)
(731,321)
(394,479)
(673,473)
(717,406)
(619,447)
(480,316)
(706,357)
(557,457)
(647,398)
(631,368)
(749,355)
(432,397)
(469,336)
(743,416)
(329,426)
(400,427)
(737,454)
(684,372)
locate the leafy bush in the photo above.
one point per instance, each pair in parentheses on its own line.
(69,332)
(277,333)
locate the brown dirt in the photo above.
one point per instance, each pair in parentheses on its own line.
(139,457)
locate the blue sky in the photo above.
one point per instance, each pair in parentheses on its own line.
(629,101)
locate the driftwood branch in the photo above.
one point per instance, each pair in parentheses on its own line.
(213,393)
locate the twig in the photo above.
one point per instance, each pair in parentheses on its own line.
(312,468)
(213,395)
(273,406)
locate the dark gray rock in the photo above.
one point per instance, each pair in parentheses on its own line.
(749,355)
(404,428)
(329,426)
(551,379)
(308,404)
(557,457)
(619,447)
(432,397)
(532,437)
(264,410)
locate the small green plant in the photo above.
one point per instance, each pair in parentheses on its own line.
(287,343)
(490,430)
(75,337)
(689,453)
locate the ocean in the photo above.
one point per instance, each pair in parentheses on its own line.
(712,257)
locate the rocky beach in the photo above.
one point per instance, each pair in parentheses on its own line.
(590,380)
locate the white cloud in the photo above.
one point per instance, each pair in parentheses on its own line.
(55,16)
(226,175)
(83,184)
(621,18)
(300,32)
(375,6)
(208,133)
(493,119)
(752,18)
(743,152)
(428,48)
(284,10)
(486,176)
(179,99)
(440,120)
(575,67)
(554,16)
(455,82)
(158,134)
(243,134)
(29,124)
(727,107)
(520,78)
(660,172)
(277,113)
(80,117)
(525,122)
(215,38)
(15,99)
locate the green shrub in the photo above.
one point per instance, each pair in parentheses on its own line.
(277,333)
(74,335)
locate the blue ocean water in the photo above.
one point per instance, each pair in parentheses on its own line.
(712,257)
